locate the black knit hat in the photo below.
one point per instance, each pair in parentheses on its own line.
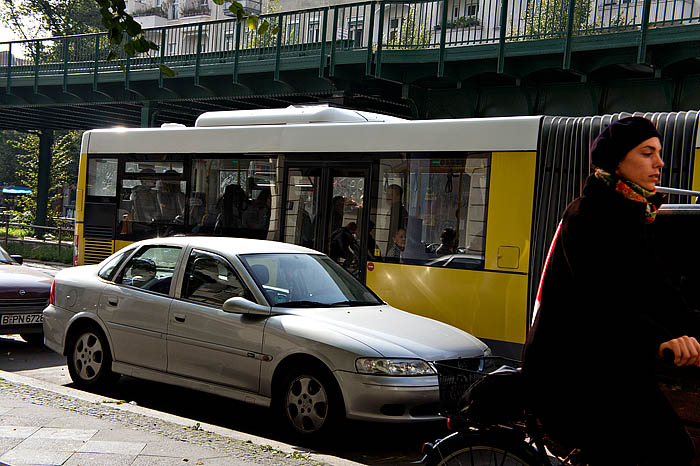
(618,138)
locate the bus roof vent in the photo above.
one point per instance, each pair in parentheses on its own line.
(292,115)
(172,125)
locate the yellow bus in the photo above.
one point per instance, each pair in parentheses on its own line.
(376,193)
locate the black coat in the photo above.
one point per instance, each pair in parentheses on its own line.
(604,310)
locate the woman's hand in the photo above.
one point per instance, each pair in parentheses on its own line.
(685,349)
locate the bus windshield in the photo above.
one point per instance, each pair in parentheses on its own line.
(307,280)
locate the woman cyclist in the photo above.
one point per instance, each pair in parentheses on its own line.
(605,314)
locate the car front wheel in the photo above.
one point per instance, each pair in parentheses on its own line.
(310,402)
(89,359)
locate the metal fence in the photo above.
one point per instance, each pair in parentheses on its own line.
(367,26)
(59,237)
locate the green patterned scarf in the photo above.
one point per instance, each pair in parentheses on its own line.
(630,190)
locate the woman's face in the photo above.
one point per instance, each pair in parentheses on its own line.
(400,238)
(642,165)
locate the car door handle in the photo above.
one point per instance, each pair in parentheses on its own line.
(179,317)
(112,301)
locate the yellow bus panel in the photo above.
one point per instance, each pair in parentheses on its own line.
(509,217)
(486,304)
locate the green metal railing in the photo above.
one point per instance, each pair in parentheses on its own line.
(364,30)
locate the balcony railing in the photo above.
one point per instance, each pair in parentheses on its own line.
(196,11)
(371,27)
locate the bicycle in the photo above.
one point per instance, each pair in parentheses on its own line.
(484,402)
(494,428)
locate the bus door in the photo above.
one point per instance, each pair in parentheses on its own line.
(324,211)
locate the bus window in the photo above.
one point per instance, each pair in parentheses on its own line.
(232,197)
(102,177)
(425,202)
(302,206)
(151,200)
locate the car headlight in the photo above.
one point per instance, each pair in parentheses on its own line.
(397,367)
(487,352)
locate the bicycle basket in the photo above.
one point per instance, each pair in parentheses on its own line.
(455,377)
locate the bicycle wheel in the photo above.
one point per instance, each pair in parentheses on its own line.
(482,450)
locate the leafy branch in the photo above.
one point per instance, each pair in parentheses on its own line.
(121,25)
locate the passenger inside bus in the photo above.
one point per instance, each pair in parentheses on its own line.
(344,248)
(448,242)
(257,217)
(231,207)
(337,213)
(171,200)
(145,208)
(373,251)
(398,215)
(397,246)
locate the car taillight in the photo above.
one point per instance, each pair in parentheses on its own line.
(52,294)
(75,249)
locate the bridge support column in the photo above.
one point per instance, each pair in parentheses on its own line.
(42,190)
(148,115)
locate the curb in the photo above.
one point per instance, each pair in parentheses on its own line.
(181,421)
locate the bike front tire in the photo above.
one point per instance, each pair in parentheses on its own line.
(482,450)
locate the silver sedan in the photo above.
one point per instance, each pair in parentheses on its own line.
(258,321)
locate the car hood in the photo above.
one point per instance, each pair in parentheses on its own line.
(395,333)
(13,278)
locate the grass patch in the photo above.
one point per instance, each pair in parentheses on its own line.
(42,251)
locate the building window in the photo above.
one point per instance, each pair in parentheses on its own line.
(314,30)
(356,29)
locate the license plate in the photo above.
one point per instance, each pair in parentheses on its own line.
(21,319)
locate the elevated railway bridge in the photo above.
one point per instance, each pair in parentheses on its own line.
(414,59)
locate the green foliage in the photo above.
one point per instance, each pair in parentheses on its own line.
(548,18)
(9,167)
(412,34)
(32,18)
(461,22)
(263,34)
(64,162)
(47,252)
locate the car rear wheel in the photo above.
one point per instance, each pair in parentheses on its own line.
(310,402)
(89,358)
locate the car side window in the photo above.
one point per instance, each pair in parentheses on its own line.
(151,268)
(209,279)
(111,266)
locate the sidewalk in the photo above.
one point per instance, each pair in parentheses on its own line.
(47,424)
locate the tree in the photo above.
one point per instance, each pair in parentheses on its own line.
(548,18)
(411,34)
(9,166)
(64,168)
(120,25)
(32,18)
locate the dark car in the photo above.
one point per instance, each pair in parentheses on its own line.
(24,293)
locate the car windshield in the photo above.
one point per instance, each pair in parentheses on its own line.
(307,280)
(5,257)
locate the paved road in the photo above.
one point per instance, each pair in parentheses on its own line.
(368,443)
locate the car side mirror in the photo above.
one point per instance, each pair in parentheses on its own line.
(17,258)
(240,305)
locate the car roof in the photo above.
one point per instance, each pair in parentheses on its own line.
(231,245)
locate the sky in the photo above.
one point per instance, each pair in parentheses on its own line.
(6,34)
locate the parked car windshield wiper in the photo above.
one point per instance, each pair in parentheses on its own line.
(355,303)
(302,304)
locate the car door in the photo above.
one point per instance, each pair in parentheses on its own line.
(206,343)
(135,306)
